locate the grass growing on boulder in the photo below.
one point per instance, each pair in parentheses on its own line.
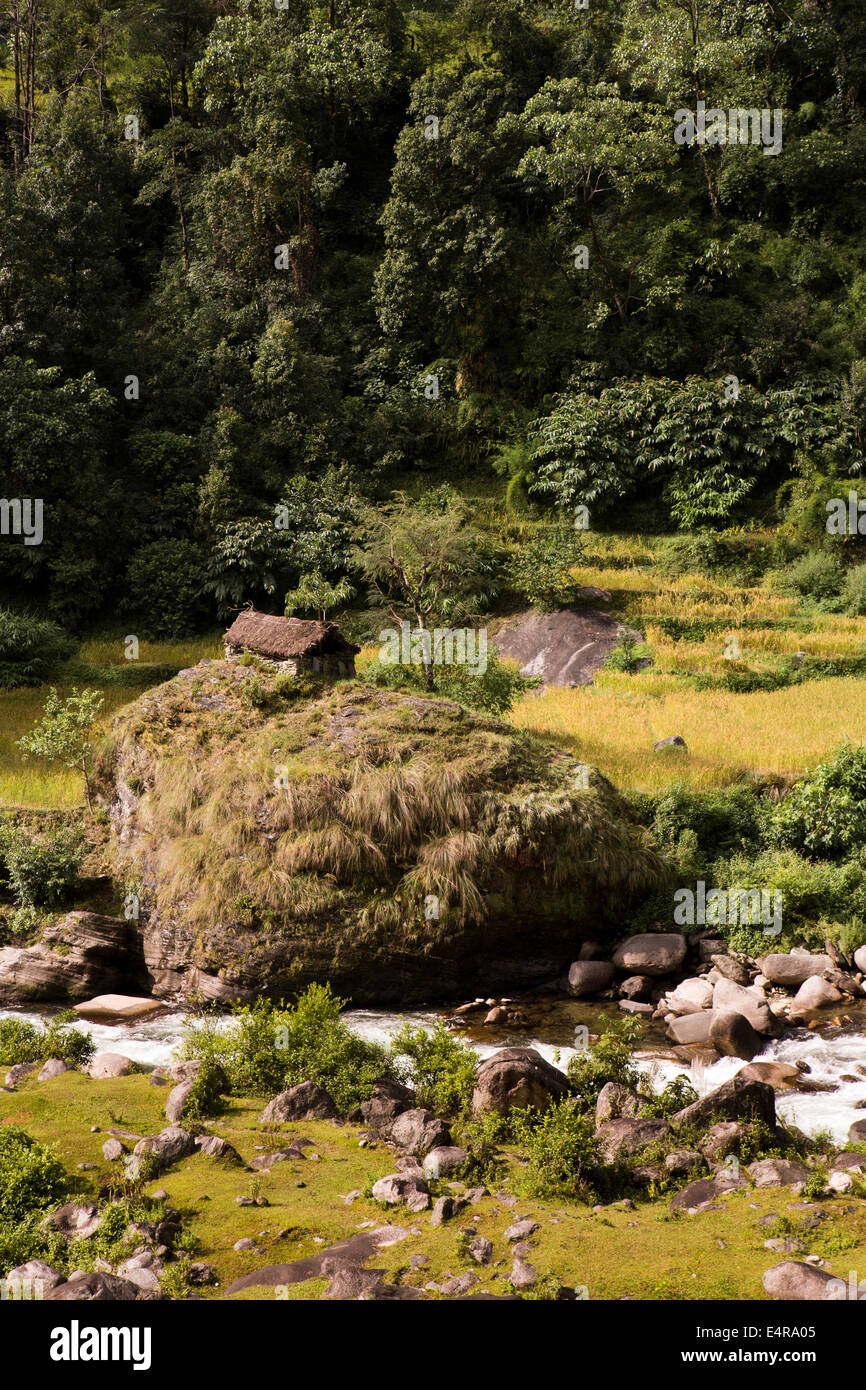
(356,822)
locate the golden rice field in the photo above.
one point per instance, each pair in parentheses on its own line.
(38,785)
(615,723)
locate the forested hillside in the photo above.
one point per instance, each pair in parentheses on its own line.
(258,255)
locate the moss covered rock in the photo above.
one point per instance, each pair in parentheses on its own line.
(277,832)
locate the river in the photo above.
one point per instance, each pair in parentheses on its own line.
(831,1053)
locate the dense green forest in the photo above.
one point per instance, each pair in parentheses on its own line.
(266,260)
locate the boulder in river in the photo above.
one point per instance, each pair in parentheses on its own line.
(733,1035)
(118,1008)
(729,997)
(814,993)
(792,970)
(782,1076)
(651,953)
(589,977)
(733,1100)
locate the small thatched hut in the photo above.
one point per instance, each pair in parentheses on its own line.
(293,644)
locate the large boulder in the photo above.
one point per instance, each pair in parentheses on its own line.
(782,1076)
(691,1029)
(777,1172)
(306,1101)
(446,1161)
(118,1008)
(651,953)
(690,996)
(733,1035)
(615,1102)
(419,1131)
(36,1273)
(621,1138)
(857,1132)
(109,1064)
(83,954)
(696,1194)
(791,971)
(169,1146)
(733,1100)
(814,993)
(76,1220)
(515,1078)
(403,1187)
(178,1099)
(860,958)
(589,977)
(55,1066)
(389,1099)
(796,1282)
(95,1288)
(729,997)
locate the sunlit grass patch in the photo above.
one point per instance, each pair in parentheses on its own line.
(729,736)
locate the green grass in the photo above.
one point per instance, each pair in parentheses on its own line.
(642,1254)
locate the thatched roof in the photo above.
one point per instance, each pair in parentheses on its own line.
(282,638)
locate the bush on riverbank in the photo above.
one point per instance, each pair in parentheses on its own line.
(21,1041)
(272,1046)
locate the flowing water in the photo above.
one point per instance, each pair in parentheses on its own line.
(831,1053)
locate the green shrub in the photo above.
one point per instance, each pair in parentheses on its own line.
(540,571)
(31,649)
(274,1046)
(494,690)
(26,1240)
(811,893)
(21,1041)
(609,1059)
(723,820)
(41,869)
(205,1097)
(815,575)
(630,654)
(440,1067)
(32,1177)
(165,588)
(825,813)
(854,592)
(562,1150)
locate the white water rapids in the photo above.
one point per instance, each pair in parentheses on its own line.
(153,1041)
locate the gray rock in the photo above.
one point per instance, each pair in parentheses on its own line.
(616,1102)
(523,1274)
(814,993)
(389,1099)
(791,971)
(521,1230)
(169,1146)
(481,1250)
(55,1066)
(636,988)
(777,1172)
(682,1161)
(796,1282)
(691,1029)
(109,1064)
(589,977)
(95,1288)
(214,1147)
(729,997)
(307,1101)
(722,1140)
(19,1071)
(402,1187)
(445,1162)
(112,1149)
(733,1035)
(76,1220)
(81,955)
(419,1131)
(36,1272)
(651,953)
(731,968)
(857,1132)
(733,1100)
(674,742)
(176,1104)
(515,1078)
(620,1138)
